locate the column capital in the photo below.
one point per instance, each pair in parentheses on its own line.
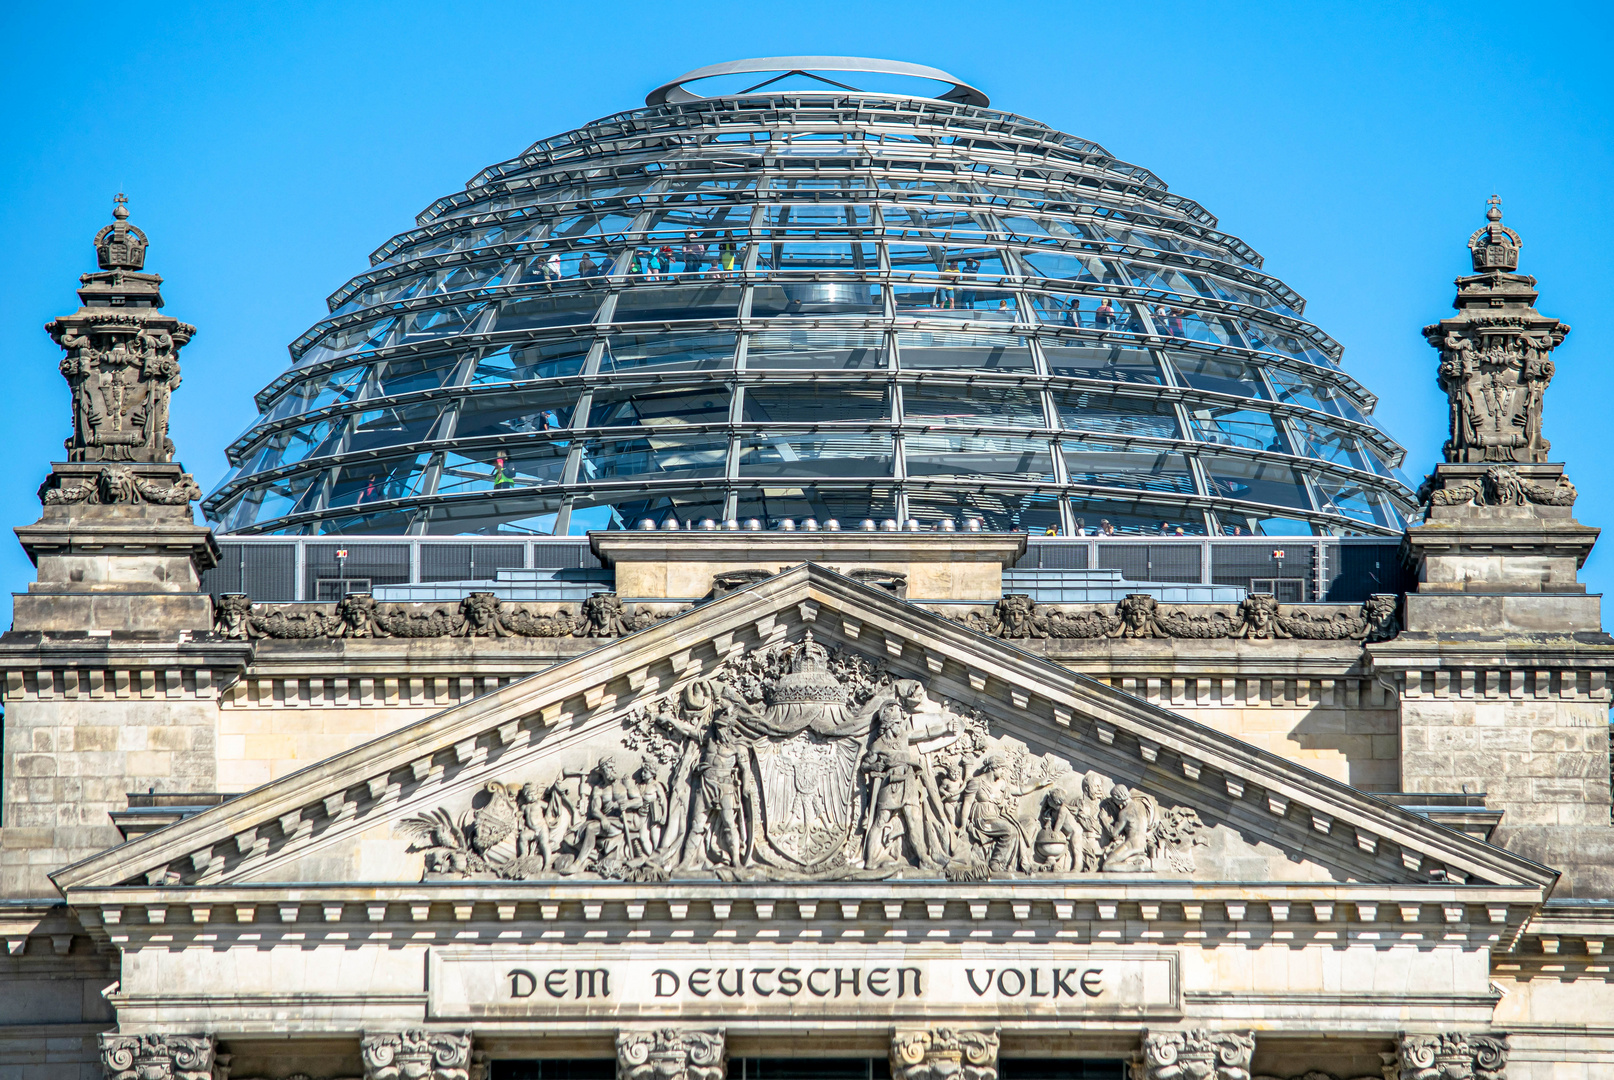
(1196,1054)
(1453,1055)
(416,1054)
(671,1054)
(157,1057)
(944,1053)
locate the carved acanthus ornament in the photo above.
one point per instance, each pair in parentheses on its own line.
(670,1054)
(481,614)
(1495,354)
(157,1057)
(122,359)
(795,762)
(1196,1055)
(1453,1055)
(944,1053)
(1258,616)
(415,1054)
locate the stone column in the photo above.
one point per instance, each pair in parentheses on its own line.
(415,1054)
(671,1054)
(1196,1055)
(1453,1055)
(944,1053)
(157,1057)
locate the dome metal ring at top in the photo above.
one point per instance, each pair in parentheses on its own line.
(674,92)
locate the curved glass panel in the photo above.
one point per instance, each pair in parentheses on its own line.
(846,307)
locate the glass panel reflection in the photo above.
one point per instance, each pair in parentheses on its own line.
(940,350)
(828,350)
(1255,481)
(961,455)
(829,454)
(1092,410)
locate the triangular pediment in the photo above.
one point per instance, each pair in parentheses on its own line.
(806,728)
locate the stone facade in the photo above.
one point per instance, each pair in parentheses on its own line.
(824,795)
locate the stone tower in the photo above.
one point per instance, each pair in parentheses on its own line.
(103,657)
(1501,667)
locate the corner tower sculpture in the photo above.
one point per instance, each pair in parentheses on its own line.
(1499,624)
(107,651)
(122,358)
(1495,353)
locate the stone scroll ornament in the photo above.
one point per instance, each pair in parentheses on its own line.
(157,1057)
(416,1054)
(481,614)
(1453,1055)
(795,762)
(1258,616)
(944,1053)
(122,361)
(1197,1055)
(1495,364)
(670,1054)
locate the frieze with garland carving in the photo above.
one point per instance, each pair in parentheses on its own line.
(481,614)
(1258,617)
(1196,1055)
(1498,486)
(157,1057)
(416,1054)
(670,1054)
(113,485)
(944,1053)
(797,762)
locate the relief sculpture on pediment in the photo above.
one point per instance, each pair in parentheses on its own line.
(798,762)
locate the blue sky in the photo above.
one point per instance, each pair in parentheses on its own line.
(267,149)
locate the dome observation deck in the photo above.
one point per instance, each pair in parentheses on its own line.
(794,299)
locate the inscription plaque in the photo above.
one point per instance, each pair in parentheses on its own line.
(544,980)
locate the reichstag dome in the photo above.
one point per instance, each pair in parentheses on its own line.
(769,296)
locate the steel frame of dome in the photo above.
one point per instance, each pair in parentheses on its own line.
(905,308)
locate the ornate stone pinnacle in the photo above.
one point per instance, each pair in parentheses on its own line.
(1495,354)
(122,359)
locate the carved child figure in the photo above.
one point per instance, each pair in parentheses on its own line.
(654,815)
(532,841)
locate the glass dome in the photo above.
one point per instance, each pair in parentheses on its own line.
(813,302)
